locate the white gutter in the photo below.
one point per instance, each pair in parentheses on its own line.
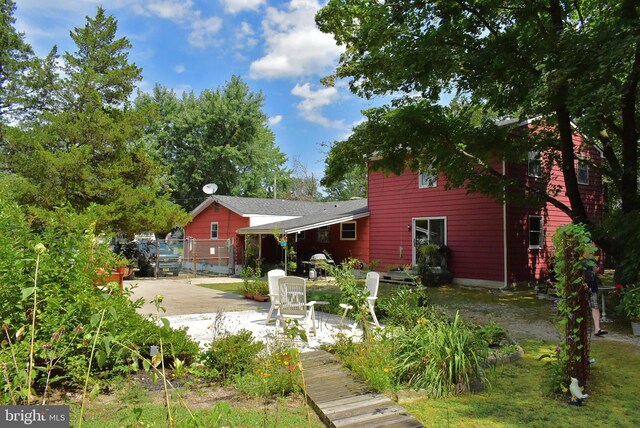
(504,226)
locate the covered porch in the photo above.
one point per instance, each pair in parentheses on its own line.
(293,242)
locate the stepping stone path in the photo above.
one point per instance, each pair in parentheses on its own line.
(341,400)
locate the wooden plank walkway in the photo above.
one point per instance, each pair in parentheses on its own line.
(341,400)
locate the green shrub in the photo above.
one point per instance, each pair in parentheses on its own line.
(404,308)
(372,360)
(68,304)
(232,354)
(441,357)
(276,373)
(492,333)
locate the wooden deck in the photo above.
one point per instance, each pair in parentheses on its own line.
(396,277)
(343,401)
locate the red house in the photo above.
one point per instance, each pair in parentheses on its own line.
(489,244)
(253,228)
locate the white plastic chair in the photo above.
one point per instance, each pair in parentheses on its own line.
(274,296)
(292,304)
(372,282)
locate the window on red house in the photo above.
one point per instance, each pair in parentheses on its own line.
(348,231)
(323,234)
(214,230)
(427,180)
(583,171)
(534,164)
(536,232)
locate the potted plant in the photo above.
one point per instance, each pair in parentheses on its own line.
(260,291)
(247,286)
(630,303)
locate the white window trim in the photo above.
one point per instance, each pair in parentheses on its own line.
(430,179)
(413,233)
(355,231)
(532,155)
(217,230)
(541,232)
(582,161)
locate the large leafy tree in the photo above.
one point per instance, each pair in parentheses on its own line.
(25,80)
(220,136)
(85,150)
(352,185)
(563,63)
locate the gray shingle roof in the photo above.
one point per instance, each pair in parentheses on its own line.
(263,206)
(325,215)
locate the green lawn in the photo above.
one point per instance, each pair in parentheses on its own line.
(518,393)
(230,287)
(518,397)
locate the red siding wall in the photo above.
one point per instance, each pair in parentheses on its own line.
(228,223)
(474,224)
(527,264)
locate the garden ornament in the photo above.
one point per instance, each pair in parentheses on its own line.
(576,392)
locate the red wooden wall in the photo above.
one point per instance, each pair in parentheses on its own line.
(528,263)
(473,222)
(228,223)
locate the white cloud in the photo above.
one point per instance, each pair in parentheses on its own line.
(171,9)
(184,12)
(294,45)
(203,31)
(236,6)
(310,108)
(244,34)
(274,120)
(244,30)
(179,68)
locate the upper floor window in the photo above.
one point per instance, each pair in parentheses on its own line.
(348,231)
(583,171)
(534,164)
(427,180)
(536,232)
(214,230)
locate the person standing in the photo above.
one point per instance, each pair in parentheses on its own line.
(593,282)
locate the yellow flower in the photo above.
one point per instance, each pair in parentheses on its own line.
(386,369)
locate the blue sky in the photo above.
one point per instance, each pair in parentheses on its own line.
(192,45)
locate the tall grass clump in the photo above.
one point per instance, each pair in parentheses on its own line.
(421,347)
(442,357)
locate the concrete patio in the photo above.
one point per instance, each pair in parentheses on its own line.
(206,312)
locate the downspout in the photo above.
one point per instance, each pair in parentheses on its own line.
(504,227)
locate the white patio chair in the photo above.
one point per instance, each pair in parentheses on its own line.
(292,304)
(372,282)
(274,296)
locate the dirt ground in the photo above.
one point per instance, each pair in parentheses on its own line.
(182,296)
(524,314)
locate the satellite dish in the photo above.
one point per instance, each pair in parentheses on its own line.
(210,188)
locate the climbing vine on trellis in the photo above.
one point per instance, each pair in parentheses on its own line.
(573,252)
